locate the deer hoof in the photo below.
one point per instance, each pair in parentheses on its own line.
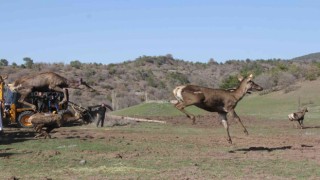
(193,120)
(246,132)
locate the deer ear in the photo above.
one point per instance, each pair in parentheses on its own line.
(240,78)
(250,76)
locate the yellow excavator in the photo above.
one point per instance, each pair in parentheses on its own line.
(14,112)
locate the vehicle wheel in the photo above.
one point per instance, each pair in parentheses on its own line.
(23,119)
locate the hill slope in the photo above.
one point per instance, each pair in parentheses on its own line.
(153,77)
(309,57)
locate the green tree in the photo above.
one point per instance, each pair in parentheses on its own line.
(76,64)
(229,82)
(4,62)
(28,62)
(251,67)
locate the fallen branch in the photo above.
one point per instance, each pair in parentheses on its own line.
(135,119)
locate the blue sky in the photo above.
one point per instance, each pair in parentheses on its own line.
(113,31)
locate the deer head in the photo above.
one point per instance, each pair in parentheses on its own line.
(305,109)
(248,84)
(2,78)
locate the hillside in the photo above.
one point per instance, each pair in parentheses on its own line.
(277,105)
(153,77)
(309,57)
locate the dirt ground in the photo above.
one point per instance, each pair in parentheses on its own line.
(288,143)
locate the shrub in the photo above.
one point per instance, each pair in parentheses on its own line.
(229,82)
(76,64)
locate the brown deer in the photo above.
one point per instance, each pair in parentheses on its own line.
(44,82)
(215,100)
(50,122)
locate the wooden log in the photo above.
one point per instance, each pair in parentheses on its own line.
(135,119)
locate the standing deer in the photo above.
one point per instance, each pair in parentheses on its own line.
(298,116)
(44,82)
(215,100)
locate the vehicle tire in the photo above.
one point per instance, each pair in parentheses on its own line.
(23,119)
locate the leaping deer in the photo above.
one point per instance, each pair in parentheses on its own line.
(44,82)
(215,100)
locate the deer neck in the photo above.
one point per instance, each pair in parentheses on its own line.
(240,91)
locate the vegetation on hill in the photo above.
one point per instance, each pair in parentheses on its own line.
(153,77)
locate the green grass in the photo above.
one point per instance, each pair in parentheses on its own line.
(150,151)
(156,109)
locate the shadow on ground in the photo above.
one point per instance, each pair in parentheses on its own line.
(260,148)
(9,137)
(311,127)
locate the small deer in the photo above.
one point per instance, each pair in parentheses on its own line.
(298,116)
(215,100)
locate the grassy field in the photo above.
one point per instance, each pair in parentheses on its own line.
(156,109)
(273,150)
(160,151)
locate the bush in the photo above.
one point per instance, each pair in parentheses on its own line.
(265,81)
(230,82)
(285,79)
(177,78)
(76,64)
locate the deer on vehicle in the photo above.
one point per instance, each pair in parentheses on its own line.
(45,82)
(298,116)
(215,100)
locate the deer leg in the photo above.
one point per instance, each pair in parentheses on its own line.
(22,101)
(180,106)
(46,135)
(223,117)
(41,133)
(235,116)
(297,124)
(64,91)
(38,129)
(301,124)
